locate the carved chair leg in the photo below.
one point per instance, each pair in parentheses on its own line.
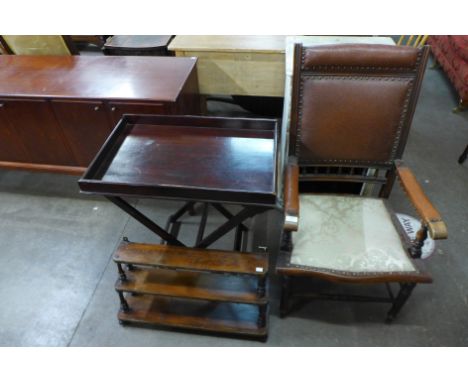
(435,65)
(463,156)
(286,241)
(418,243)
(400,300)
(285,295)
(462,105)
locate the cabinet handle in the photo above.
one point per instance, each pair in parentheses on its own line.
(2,104)
(113,108)
(96,108)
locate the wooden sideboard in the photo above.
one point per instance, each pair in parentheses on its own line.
(57,111)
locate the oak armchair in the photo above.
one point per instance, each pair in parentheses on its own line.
(352,107)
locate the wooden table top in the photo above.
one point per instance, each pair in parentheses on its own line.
(94,77)
(218,43)
(202,158)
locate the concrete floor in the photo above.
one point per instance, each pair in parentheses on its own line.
(57,277)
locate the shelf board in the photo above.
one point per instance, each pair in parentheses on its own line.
(192,259)
(192,285)
(227,318)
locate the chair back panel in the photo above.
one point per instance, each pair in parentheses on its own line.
(353,104)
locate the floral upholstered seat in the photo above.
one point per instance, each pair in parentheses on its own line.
(348,234)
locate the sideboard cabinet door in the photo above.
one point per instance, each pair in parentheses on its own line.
(34,123)
(11,147)
(86,127)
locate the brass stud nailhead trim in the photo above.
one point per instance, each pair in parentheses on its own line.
(403,115)
(412,68)
(343,68)
(348,273)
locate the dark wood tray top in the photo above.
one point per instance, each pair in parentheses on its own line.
(190,158)
(94,77)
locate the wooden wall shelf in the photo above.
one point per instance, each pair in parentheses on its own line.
(196,289)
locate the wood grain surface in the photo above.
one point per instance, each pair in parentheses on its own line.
(95,77)
(173,257)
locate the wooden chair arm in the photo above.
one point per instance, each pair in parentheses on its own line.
(291,197)
(429,215)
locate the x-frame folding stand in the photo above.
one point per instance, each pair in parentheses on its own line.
(170,232)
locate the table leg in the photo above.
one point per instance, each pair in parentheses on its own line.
(132,211)
(463,156)
(201,228)
(236,220)
(187,207)
(223,211)
(238,238)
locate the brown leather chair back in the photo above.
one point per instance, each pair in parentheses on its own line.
(353,104)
